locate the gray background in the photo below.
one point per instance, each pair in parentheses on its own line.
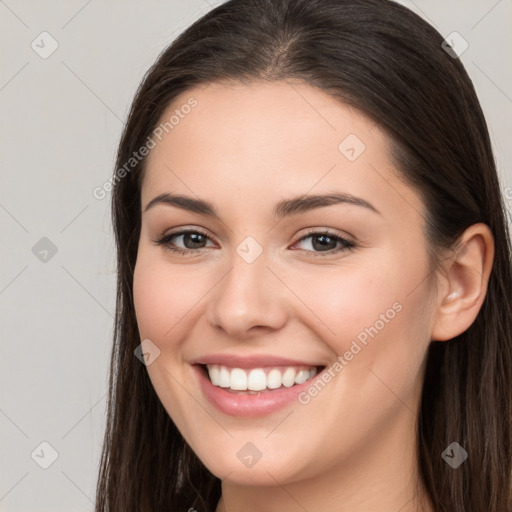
(61,118)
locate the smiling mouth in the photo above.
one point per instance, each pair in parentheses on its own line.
(258,380)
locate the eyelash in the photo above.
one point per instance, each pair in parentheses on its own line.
(346,244)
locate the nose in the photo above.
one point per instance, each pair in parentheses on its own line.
(248,300)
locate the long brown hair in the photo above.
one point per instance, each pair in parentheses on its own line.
(384,60)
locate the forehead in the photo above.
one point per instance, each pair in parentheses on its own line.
(269,138)
(266,119)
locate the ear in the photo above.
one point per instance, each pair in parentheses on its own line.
(463,282)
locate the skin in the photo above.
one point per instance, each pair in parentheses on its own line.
(244,148)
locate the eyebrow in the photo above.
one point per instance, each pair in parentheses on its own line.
(285,208)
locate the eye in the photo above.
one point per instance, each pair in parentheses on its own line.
(322,242)
(193,240)
(325,242)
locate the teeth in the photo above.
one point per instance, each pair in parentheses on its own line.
(258,379)
(238,379)
(289,377)
(274,379)
(301,377)
(224,378)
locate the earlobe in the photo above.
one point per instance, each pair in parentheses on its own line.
(465,277)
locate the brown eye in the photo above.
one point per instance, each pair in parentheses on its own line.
(193,240)
(326,242)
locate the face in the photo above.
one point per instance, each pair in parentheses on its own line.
(264,285)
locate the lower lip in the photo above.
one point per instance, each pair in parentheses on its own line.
(241,404)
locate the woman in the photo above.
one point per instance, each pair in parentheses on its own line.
(314,274)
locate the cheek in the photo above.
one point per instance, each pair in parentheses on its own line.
(148,297)
(346,300)
(376,304)
(163,296)
(152,298)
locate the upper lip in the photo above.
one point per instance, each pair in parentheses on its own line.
(254,361)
